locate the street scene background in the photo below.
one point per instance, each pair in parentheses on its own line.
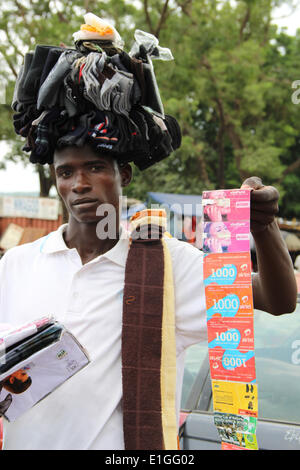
(234,87)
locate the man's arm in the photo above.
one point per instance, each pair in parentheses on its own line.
(274,286)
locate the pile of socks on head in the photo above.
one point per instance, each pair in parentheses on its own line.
(95,93)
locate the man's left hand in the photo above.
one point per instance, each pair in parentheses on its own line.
(264,203)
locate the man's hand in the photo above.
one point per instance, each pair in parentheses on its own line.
(264,204)
(274,286)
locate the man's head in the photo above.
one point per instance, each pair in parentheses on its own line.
(87,179)
(127,120)
(18,382)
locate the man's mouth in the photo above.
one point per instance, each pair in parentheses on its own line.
(84,202)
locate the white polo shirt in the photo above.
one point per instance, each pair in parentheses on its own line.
(47,278)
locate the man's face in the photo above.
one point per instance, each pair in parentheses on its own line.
(85,180)
(20,375)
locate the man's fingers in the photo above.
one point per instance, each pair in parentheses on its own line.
(265,194)
(254,182)
(262,193)
(257,226)
(267,208)
(264,203)
(261,217)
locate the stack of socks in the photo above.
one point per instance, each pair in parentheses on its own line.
(96,94)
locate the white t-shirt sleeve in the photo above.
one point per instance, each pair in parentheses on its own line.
(8,265)
(2,286)
(190,306)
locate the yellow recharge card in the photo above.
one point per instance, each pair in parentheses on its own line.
(235,397)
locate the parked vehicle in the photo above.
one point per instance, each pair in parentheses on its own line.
(277,358)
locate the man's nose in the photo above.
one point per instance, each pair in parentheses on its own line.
(81,182)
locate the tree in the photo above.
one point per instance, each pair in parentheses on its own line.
(232,94)
(229,85)
(25,24)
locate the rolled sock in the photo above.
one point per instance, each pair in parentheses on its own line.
(49,91)
(121,83)
(51,60)
(90,73)
(15,101)
(20,95)
(32,79)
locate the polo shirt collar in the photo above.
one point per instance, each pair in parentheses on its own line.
(54,243)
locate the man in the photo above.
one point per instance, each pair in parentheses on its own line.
(79,273)
(79,277)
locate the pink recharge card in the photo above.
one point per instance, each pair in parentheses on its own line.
(226,205)
(226,237)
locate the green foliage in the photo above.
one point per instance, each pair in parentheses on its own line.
(230,85)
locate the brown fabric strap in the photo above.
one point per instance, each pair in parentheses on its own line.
(141,342)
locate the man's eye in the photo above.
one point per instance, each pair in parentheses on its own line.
(97,167)
(65,173)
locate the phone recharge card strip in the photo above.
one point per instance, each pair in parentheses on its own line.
(230,315)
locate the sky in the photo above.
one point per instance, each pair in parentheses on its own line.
(17,178)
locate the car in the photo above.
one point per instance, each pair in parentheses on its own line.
(277,362)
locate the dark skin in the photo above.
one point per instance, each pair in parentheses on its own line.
(274,286)
(85,180)
(81,173)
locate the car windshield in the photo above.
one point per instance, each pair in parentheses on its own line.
(277,359)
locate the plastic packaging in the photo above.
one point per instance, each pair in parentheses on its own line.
(96,28)
(150,43)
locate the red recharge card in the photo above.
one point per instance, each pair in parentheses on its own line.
(232,365)
(233,302)
(227,269)
(231,334)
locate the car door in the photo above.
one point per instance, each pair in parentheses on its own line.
(277,357)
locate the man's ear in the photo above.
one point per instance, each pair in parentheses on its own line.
(11,379)
(126,175)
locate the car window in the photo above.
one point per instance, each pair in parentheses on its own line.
(277,358)
(194,358)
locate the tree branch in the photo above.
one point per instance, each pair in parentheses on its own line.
(163,17)
(290,169)
(8,61)
(148,19)
(186,10)
(11,42)
(244,23)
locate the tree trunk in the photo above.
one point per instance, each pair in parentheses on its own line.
(238,149)
(46,181)
(65,213)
